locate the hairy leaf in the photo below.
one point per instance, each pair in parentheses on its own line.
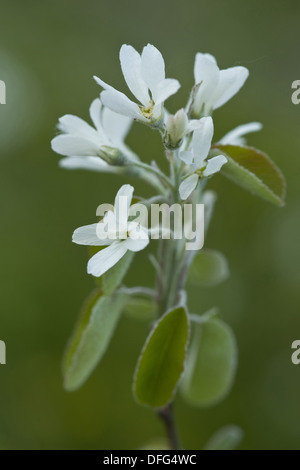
(254,171)
(91,338)
(162,360)
(211,363)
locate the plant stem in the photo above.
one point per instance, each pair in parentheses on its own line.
(155,171)
(166,415)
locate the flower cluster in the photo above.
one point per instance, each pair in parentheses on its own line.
(187,138)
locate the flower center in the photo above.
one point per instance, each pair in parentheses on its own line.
(147,112)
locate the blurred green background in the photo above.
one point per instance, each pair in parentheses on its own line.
(48,53)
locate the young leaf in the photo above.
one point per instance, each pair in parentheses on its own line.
(211,363)
(162,360)
(254,171)
(226,438)
(91,338)
(208,268)
(114,276)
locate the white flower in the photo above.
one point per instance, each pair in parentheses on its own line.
(216,86)
(236,136)
(197,158)
(145,77)
(177,126)
(116,231)
(83,144)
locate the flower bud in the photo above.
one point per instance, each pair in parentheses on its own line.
(176,126)
(112,156)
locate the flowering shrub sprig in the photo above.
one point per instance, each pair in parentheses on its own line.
(195,352)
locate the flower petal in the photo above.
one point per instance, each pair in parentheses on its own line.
(214,165)
(96,110)
(115,125)
(153,67)
(122,203)
(103,84)
(87,235)
(235,137)
(231,80)
(165,89)
(186,156)
(201,141)
(138,239)
(192,125)
(119,103)
(187,186)
(70,124)
(87,163)
(207,73)
(72,145)
(131,64)
(106,258)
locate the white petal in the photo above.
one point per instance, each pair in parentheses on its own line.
(207,73)
(119,103)
(87,235)
(214,165)
(136,245)
(231,80)
(186,156)
(70,124)
(72,145)
(235,137)
(131,64)
(87,163)
(187,186)
(202,138)
(96,109)
(176,125)
(115,125)
(122,203)
(138,237)
(153,67)
(165,89)
(107,229)
(192,125)
(106,258)
(103,84)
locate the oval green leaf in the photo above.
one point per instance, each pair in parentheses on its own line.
(114,276)
(227,438)
(211,363)
(254,171)
(161,362)
(208,268)
(91,338)
(112,279)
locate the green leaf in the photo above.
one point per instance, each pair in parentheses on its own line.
(254,171)
(91,338)
(208,268)
(226,438)
(140,309)
(111,280)
(162,360)
(114,276)
(211,363)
